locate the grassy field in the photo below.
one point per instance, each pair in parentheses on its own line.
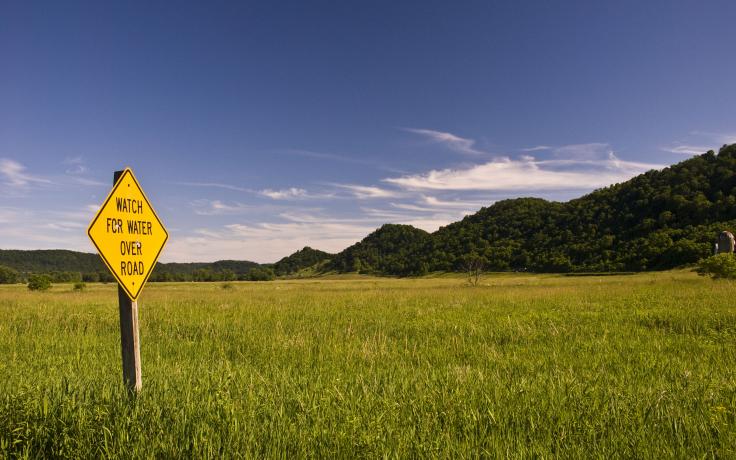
(520,366)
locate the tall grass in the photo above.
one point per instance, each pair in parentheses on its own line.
(520,366)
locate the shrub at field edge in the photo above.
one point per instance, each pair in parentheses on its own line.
(719,266)
(39,282)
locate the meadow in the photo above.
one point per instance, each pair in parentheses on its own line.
(518,366)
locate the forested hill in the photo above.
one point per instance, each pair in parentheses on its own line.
(658,220)
(392,249)
(71,265)
(301,259)
(50,260)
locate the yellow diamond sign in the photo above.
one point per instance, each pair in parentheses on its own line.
(128,234)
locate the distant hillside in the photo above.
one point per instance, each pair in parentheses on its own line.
(304,258)
(92,267)
(51,260)
(221,270)
(391,249)
(657,220)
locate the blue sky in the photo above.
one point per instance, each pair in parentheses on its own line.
(257,129)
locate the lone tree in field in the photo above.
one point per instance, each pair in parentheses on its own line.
(39,282)
(8,275)
(473,264)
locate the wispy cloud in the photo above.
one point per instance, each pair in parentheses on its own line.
(15,174)
(336,158)
(432,205)
(217,207)
(75,165)
(214,185)
(269,241)
(428,221)
(89,182)
(365,192)
(699,142)
(385,215)
(589,151)
(585,151)
(412,207)
(326,230)
(264,242)
(686,149)
(527,174)
(82,215)
(718,138)
(77,173)
(537,148)
(437,203)
(24,228)
(453,142)
(63,226)
(316,216)
(284,194)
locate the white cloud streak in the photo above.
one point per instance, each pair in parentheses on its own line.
(430,204)
(89,182)
(426,221)
(264,242)
(537,148)
(270,241)
(218,208)
(363,192)
(437,203)
(15,174)
(686,149)
(526,174)
(214,185)
(75,165)
(589,151)
(453,142)
(719,138)
(55,229)
(284,194)
(336,158)
(411,207)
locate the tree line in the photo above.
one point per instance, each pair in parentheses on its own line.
(657,220)
(62,266)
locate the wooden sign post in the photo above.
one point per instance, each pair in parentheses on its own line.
(129,237)
(129,337)
(130,341)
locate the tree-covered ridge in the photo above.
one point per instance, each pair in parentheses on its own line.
(71,266)
(392,249)
(50,260)
(301,259)
(221,270)
(657,220)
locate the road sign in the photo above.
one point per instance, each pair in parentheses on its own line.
(128,234)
